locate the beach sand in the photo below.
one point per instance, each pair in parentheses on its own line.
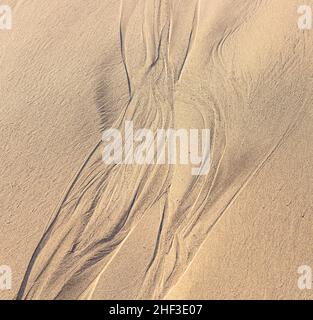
(73,227)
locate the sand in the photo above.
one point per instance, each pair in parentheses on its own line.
(73,227)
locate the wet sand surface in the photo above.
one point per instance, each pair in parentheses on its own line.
(73,227)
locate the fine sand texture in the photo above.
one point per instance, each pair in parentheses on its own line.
(73,227)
